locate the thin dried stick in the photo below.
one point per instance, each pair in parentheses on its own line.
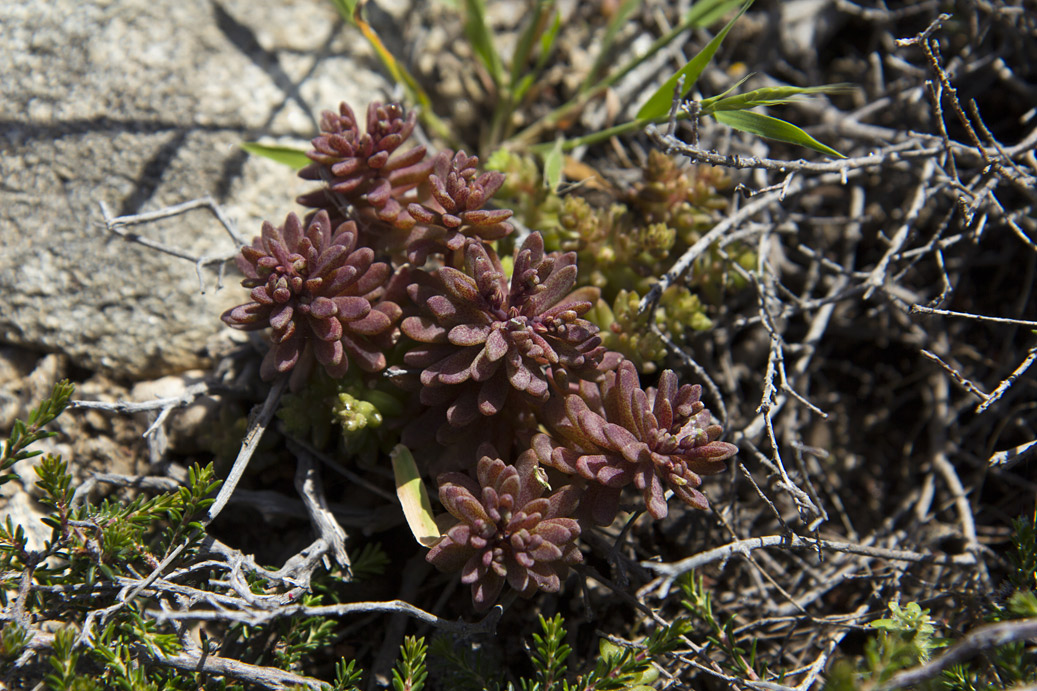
(117,225)
(977,317)
(997,393)
(254,433)
(309,486)
(674,569)
(254,617)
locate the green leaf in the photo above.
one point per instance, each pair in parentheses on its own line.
(534,27)
(618,19)
(553,164)
(547,41)
(347,8)
(765,96)
(705,12)
(701,14)
(771,128)
(520,85)
(608,650)
(659,103)
(285,155)
(1023,604)
(482,40)
(417,508)
(410,672)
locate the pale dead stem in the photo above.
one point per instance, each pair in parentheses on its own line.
(670,571)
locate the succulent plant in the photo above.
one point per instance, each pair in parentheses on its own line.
(479,338)
(662,438)
(679,197)
(625,329)
(364,167)
(319,292)
(510,344)
(455,211)
(506,531)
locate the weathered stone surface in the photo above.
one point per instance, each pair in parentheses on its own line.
(142,104)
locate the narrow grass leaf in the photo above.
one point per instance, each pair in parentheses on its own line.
(347,9)
(535,26)
(285,155)
(771,128)
(705,12)
(547,41)
(481,39)
(701,14)
(766,96)
(417,508)
(522,82)
(658,104)
(618,20)
(727,92)
(415,94)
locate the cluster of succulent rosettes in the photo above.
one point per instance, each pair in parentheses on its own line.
(620,434)
(506,531)
(480,337)
(406,205)
(614,250)
(490,349)
(320,294)
(364,168)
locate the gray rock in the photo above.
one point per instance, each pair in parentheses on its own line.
(142,104)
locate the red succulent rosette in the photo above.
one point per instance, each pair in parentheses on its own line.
(319,293)
(480,338)
(455,210)
(659,439)
(366,168)
(506,531)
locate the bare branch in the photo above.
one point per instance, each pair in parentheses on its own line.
(311,489)
(255,431)
(254,617)
(670,571)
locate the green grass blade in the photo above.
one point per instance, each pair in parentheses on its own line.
(346,8)
(766,96)
(618,19)
(535,27)
(701,14)
(771,128)
(659,103)
(286,155)
(547,41)
(727,92)
(705,12)
(351,11)
(481,39)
